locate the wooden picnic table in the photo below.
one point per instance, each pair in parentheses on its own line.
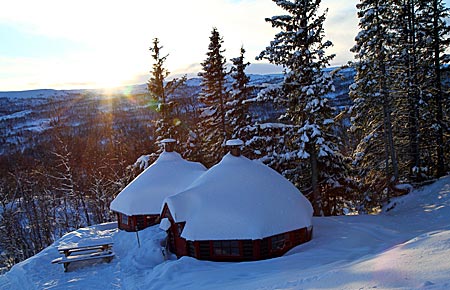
(85,250)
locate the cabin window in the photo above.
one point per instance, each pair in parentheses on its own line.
(204,249)
(298,236)
(278,242)
(140,222)
(152,220)
(264,247)
(226,248)
(124,220)
(247,248)
(191,248)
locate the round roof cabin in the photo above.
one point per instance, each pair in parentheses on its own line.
(139,204)
(236,211)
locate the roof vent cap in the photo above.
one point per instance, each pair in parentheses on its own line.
(235,146)
(168,144)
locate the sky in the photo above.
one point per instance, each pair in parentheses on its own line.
(98,43)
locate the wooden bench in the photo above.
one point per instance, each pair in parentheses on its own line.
(85,251)
(67,251)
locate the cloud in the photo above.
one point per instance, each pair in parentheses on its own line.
(115,35)
(340,27)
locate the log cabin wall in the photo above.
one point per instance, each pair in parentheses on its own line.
(233,250)
(238,250)
(136,222)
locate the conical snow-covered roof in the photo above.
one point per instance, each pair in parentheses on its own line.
(239,199)
(168,175)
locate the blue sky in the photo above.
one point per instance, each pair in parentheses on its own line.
(100,43)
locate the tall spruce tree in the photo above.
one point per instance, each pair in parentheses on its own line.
(436,34)
(397,84)
(265,134)
(415,86)
(406,78)
(160,92)
(376,155)
(300,48)
(214,96)
(237,107)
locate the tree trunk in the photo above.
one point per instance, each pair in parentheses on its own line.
(413,97)
(317,200)
(387,120)
(438,94)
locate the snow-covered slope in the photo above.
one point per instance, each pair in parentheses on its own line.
(407,247)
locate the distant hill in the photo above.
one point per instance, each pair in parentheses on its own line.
(25,116)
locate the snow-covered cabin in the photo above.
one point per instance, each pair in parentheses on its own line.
(139,204)
(236,211)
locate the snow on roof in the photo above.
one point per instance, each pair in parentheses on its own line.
(168,175)
(239,199)
(168,140)
(234,142)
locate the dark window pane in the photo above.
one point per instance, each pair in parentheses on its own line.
(226,248)
(278,242)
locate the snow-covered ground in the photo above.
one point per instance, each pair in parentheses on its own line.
(407,247)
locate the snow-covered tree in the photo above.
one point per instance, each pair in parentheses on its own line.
(214,96)
(70,199)
(405,81)
(265,134)
(161,92)
(396,94)
(435,31)
(413,86)
(237,107)
(376,155)
(311,143)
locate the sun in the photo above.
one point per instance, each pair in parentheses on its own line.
(111,82)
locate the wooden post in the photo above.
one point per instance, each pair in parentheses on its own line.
(137,236)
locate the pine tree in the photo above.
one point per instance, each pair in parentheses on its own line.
(214,96)
(376,155)
(405,83)
(300,48)
(265,134)
(415,86)
(237,108)
(161,92)
(435,30)
(396,94)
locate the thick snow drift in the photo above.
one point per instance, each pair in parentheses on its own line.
(168,175)
(407,247)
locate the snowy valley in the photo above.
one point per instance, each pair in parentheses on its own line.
(26,116)
(405,247)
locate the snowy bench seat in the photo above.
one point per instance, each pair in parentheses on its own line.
(85,250)
(107,256)
(67,251)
